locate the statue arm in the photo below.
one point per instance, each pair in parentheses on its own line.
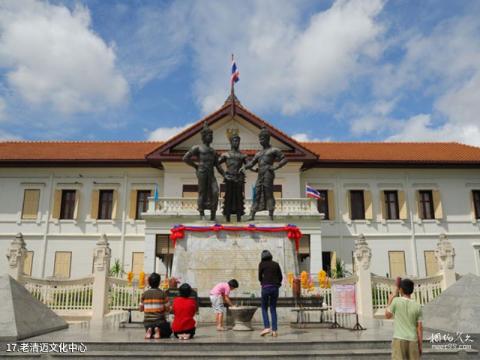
(187,158)
(218,162)
(251,164)
(282,160)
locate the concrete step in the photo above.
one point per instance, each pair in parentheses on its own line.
(339,354)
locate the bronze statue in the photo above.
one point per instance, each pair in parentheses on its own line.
(265,159)
(234,179)
(204,168)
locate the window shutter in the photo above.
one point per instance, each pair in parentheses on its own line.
(137,262)
(348,212)
(402,205)
(62,264)
(77,204)
(333,260)
(431,265)
(368,204)
(437,204)
(31,198)
(383,206)
(472,207)
(417,200)
(94,208)
(331,205)
(57,203)
(114,204)
(133,204)
(397,263)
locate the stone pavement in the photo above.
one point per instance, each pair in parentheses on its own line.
(376,330)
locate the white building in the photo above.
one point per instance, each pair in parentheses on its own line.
(63,195)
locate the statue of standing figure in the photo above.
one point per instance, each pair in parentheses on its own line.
(207,160)
(234,179)
(265,158)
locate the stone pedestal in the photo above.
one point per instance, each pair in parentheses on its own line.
(204,259)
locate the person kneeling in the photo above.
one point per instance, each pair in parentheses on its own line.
(155,305)
(184,309)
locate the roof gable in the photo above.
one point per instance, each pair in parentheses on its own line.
(231,115)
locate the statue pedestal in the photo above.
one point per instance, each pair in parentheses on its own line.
(204,259)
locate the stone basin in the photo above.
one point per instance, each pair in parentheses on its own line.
(242,317)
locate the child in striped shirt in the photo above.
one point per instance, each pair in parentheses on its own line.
(155,306)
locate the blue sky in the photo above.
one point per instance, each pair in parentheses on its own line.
(319,70)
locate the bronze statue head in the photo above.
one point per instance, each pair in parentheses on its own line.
(207,134)
(264,137)
(235,142)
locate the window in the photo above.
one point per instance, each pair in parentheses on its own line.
(67,207)
(476,203)
(396,261)
(431,265)
(391,205)
(142,202)
(322,203)
(105,204)
(31,199)
(190,191)
(62,265)
(426,204)
(137,262)
(27,265)
(357,205)
(277,192)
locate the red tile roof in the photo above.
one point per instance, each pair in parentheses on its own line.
(75,150)
(400,152)
(328,152)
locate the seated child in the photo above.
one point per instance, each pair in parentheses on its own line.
(184,309)
(155,305)
(220,295)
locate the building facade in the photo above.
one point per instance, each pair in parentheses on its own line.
(63,195)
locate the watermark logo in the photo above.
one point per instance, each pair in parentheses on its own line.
(448,341)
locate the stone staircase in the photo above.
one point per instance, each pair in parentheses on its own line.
(174,349)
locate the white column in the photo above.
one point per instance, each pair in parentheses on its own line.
(149,253)
(101,267)
(16,255)
(316,252)
(445,255)
(363,256)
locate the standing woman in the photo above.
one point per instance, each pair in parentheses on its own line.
(270,277)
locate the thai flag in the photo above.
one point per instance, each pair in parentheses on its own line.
(312,193)
(235,73)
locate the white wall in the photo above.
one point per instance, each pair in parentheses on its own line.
(129,235)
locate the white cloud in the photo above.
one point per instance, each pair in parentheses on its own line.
(443,64)
(165,133)
(53,57)
(420,128)
(283,64)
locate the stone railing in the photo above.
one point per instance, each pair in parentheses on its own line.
(66,295)
(121,295)
(99,294)
(426,289)
(170,206)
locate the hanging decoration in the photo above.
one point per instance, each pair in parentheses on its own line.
(293,232)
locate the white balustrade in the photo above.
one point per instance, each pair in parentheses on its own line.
(62,294)
(122,295)
(426,289)
(174,206)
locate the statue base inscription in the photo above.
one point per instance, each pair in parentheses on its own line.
(204,259)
